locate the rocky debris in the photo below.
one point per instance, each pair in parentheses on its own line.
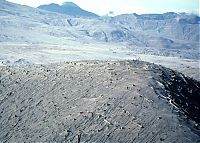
(181,91)
(95,101)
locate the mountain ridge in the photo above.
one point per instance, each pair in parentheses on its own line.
(68,8)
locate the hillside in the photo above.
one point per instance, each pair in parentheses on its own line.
(95,101)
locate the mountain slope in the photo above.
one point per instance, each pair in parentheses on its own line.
(68,8)
(169,30)
(94,101)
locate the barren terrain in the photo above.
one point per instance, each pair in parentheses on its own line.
(96,101)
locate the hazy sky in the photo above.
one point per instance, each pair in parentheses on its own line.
(102,7)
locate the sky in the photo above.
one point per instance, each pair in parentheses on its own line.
(103,7)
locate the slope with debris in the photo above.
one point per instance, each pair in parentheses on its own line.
(96,101)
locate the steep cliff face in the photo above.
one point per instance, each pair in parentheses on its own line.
(94,101)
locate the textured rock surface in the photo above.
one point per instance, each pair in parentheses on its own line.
(94,101)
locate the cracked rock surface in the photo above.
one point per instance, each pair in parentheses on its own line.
(98,102)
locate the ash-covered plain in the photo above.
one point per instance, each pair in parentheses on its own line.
(98,102)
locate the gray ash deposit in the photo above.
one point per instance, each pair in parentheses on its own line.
(98,102)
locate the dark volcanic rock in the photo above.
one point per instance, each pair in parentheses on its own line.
(182,91)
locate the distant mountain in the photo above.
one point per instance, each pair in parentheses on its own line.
(68,8)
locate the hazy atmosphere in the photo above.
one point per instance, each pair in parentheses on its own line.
(103,7)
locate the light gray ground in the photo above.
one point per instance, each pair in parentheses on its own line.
(88,102)
(22,54)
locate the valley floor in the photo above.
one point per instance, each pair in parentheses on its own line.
(23,54)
